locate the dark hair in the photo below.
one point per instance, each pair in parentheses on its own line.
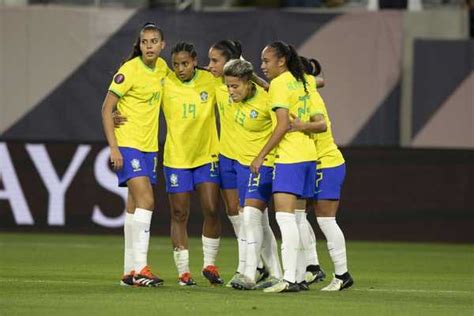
(311,66)
(230,49)
(184,47)
(293,61)
(136,46)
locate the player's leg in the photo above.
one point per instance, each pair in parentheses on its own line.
(284,207)
(128,261)
(313,273)
(228,170)
(206,179)
(326,206)
(211,230)
(139,174)
(179,185)
(142,193)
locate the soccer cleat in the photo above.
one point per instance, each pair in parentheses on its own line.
(314,274)
(339,283)
(304,286)
(235,276)
(282,286)
(186,280)
(262,274)
(127,279)
(146,278)
(243,283)
(268,282)
(212,274)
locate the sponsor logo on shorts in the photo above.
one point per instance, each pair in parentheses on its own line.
(174,180)
(204,96)
(136,165)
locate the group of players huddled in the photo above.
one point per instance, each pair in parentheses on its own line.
(275,141)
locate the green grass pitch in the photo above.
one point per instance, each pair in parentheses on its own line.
(56,274)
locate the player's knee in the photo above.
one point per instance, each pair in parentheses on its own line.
(146,202)
(179,214)
(210,212)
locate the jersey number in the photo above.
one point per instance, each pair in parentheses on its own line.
(240,117)
(189,110)
(303,110)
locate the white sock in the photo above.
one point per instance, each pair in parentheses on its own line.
(181,260)
(308,239)
(300,216)
(336,243)
(311,253)
(128,262)
(235,220)
(141,237)
(210,247)
(254,232)
(270,248)
(242,246)
(289,245)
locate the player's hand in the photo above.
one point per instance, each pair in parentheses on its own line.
(255,165)
(296,125)
(118,119)
(116,159)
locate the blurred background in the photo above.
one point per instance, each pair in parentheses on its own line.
(399,90)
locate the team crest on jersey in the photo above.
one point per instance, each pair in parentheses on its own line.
(135,165)
(204,96)
(119,78)
(174,180)
(253,114)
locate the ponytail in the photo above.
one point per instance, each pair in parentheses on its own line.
(311,66)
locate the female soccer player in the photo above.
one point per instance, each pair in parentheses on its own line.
(136,91)
(295,165)
(190,158)
(330,178)
(253,127)
(220,53)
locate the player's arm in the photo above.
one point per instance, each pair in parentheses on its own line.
(316,124)
(260,81)
(108,106)
(280,130)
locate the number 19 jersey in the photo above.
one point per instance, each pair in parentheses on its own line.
(189,109)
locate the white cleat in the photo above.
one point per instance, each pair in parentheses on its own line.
(339,284)
(282,286)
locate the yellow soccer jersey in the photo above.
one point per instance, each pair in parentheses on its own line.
(253,127)
(327,152)
(189,109)
(227,142)
(140,90)
(286,92)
